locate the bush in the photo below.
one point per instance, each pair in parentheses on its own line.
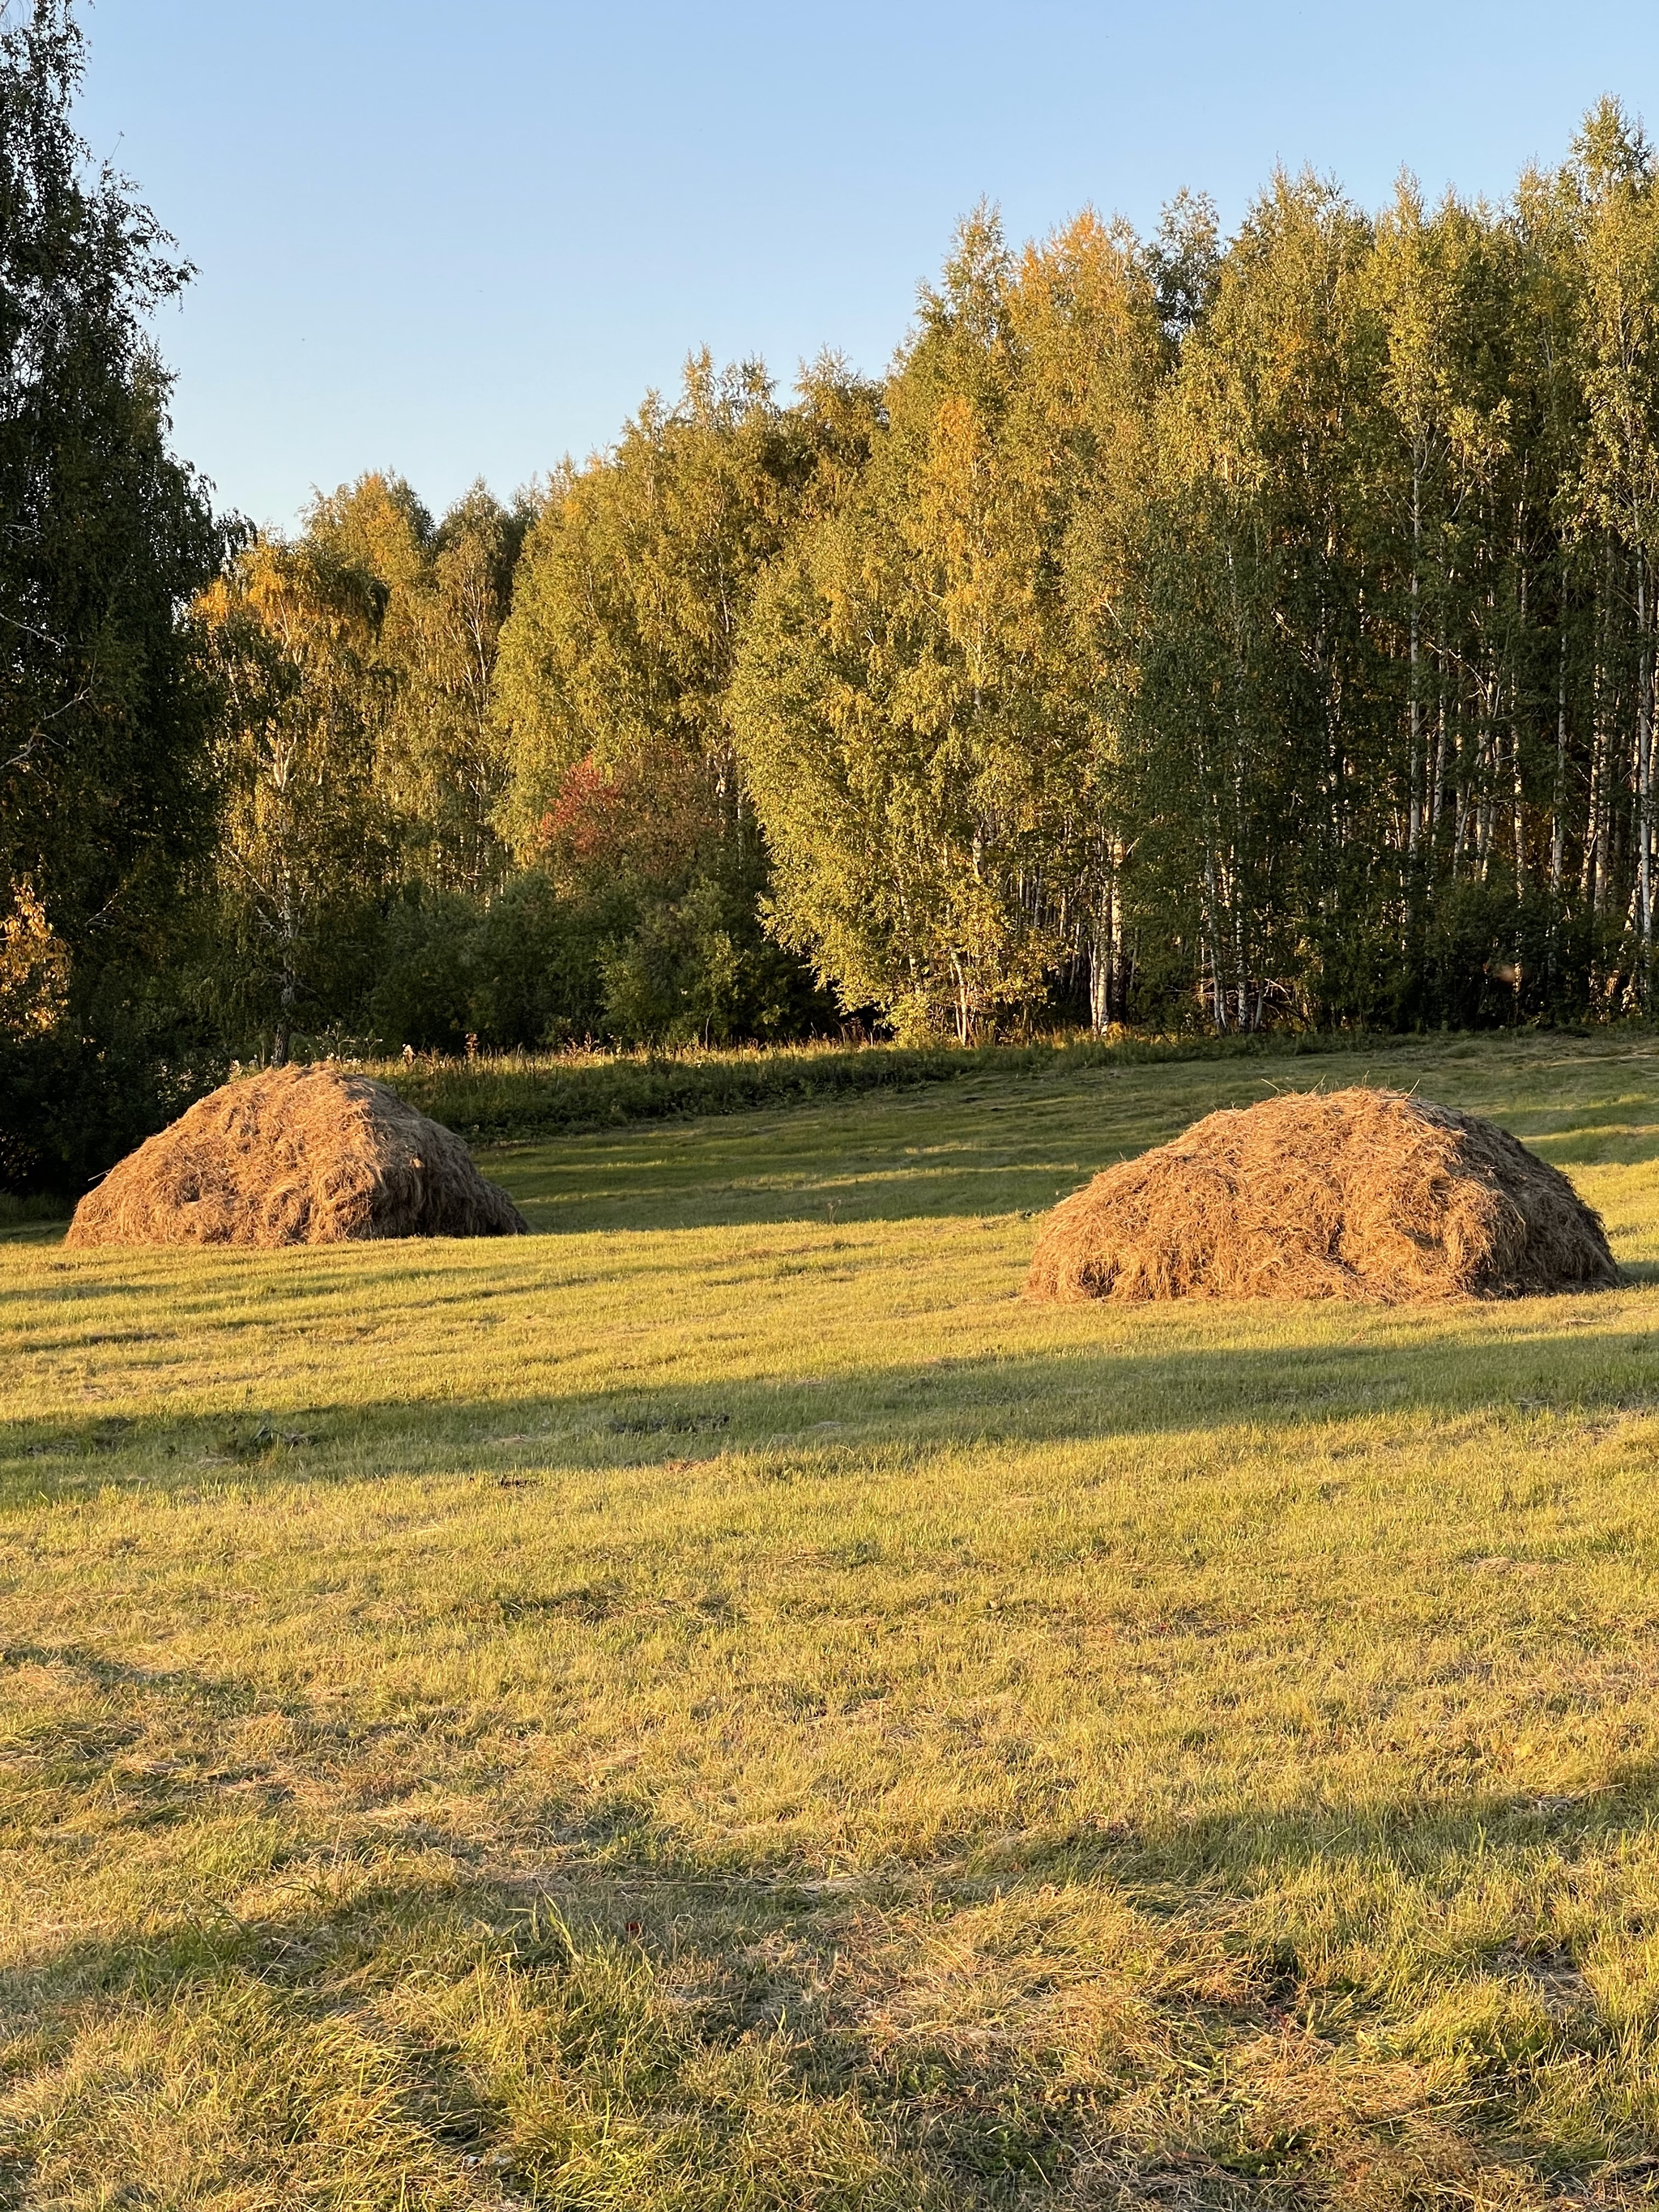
(696,970)
(536,977)
(535,966)
(423,994)
(73,1104)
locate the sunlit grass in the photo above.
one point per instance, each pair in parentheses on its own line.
(724,1704)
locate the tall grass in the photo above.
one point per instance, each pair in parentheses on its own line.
(497,1096)
(29,1213)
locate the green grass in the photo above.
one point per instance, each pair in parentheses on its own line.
(722,1704)
(498,1097)
(25,1214)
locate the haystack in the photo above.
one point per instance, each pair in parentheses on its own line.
(1355,1194)
(296,1155)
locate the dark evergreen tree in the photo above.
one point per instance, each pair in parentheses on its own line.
(105,788)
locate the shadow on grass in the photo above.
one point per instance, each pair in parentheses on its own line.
(1535,1374)
(990,1148)
(218,1694)
(733,1182)
(1252,1851)
(947,1155)
(633,1969)
(673,2068)
(1004,1146)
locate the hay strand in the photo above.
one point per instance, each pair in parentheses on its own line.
(296,1155)
(1356,1194)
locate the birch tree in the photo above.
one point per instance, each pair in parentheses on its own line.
(1621,481)
(924,706)
(447,589)
(307,841)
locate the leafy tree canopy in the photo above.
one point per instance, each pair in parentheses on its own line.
(105,794)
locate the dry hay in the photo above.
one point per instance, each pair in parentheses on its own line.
(1355,1194)
(296,1155)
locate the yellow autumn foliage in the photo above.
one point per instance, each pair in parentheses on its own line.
(34,966)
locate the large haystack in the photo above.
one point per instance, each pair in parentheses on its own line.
(1353,1194)
(296,1155)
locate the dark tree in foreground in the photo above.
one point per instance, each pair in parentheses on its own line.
(106,796)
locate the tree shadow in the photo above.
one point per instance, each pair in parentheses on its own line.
(965,1181)
(1251,1850)
(995,1146)
(218,1693)
(46,1229)
(1517,1362)
(630,1962)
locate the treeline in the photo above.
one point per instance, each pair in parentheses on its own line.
(1238,630)
(1188,631)
(478,777)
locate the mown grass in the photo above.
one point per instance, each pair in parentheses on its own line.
(722,1704)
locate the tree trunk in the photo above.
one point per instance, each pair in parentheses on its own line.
(1643,773)
(284,1026)
(964,1012)
(1106,940)
(1413,816)
(1558,812)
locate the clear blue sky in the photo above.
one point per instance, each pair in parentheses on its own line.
(462,239)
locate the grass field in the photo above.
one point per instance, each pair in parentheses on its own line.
(723,1704)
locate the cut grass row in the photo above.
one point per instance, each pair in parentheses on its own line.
(724,1704)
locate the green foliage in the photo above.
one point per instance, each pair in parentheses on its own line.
(521,970)
(306,841)
(1222,627)
(925,723)
(79,1096)
(1395,659)
(105,790)
(611,691)
(637,573)
(447,587)
(423,988)
(696,968)
(358,757)
(106,786)
(1201,632)
(534,966)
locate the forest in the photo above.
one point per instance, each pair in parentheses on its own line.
(1188,631)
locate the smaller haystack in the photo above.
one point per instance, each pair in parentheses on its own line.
(1355,1194)
(296,1155)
